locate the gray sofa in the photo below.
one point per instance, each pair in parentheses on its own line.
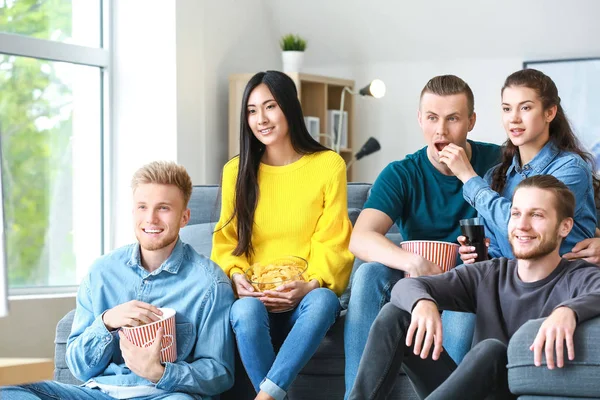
(323,377)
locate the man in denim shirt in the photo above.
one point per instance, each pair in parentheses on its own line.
(126,287)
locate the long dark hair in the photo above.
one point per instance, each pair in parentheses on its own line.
(561,133)
(284,91)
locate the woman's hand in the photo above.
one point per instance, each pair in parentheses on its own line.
(587,249)
(287,296)
(467,252)
(456,159)
(243,288)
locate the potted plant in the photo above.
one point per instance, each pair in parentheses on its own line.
(292,47)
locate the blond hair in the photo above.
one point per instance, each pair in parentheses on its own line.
(164,173)
(448,85)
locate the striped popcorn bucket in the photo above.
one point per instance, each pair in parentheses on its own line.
(143,336)
(440,253)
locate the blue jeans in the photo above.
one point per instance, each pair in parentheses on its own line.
(275,347)
(372,284)
(459,328)
(51,390)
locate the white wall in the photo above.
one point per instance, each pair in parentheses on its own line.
(171,86)
(144,108)
(351,32)
(29,329)
(238,38)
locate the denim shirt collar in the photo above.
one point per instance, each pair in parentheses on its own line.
(538,163)
(170,265)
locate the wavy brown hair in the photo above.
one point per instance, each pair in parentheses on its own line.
(561,133)
(564,199)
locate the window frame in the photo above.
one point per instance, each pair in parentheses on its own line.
(100,57)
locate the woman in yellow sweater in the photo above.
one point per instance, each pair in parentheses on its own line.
(284,195)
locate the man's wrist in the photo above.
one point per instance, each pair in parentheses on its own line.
(157,373)
(108,327)
(412,262)
(565,308)
(467,175)
(423,303)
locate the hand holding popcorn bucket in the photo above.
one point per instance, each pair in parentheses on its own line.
(143,335)
(442,254)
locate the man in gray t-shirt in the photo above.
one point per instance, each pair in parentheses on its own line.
(503,293)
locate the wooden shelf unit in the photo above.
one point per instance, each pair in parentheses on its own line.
(317,94)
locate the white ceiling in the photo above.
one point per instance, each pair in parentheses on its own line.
(342,32)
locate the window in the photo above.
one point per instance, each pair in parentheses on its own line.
(67,21)
(53,73)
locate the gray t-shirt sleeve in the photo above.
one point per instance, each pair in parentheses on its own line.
(455,290)
(584,288)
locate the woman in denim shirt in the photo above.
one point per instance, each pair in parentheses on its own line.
(540,141)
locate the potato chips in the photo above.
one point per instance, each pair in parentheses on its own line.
(269,275)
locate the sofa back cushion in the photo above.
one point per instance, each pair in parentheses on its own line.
(205,208)
(199,236)
(357,194)
(205,204)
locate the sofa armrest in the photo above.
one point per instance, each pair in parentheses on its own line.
(61,370)
(579,378)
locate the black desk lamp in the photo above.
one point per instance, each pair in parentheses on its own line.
(370,147)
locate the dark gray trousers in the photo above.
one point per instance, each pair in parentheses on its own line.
(481,375)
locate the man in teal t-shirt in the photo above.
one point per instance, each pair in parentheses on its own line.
(425,200)
(424,203)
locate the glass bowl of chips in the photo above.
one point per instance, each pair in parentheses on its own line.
(274,273)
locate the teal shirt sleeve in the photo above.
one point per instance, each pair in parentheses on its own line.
(388,192)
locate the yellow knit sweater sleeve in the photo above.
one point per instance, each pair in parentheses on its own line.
(330,261)
(225,237)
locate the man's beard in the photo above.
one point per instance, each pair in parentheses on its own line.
(151,245)
(546,246)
